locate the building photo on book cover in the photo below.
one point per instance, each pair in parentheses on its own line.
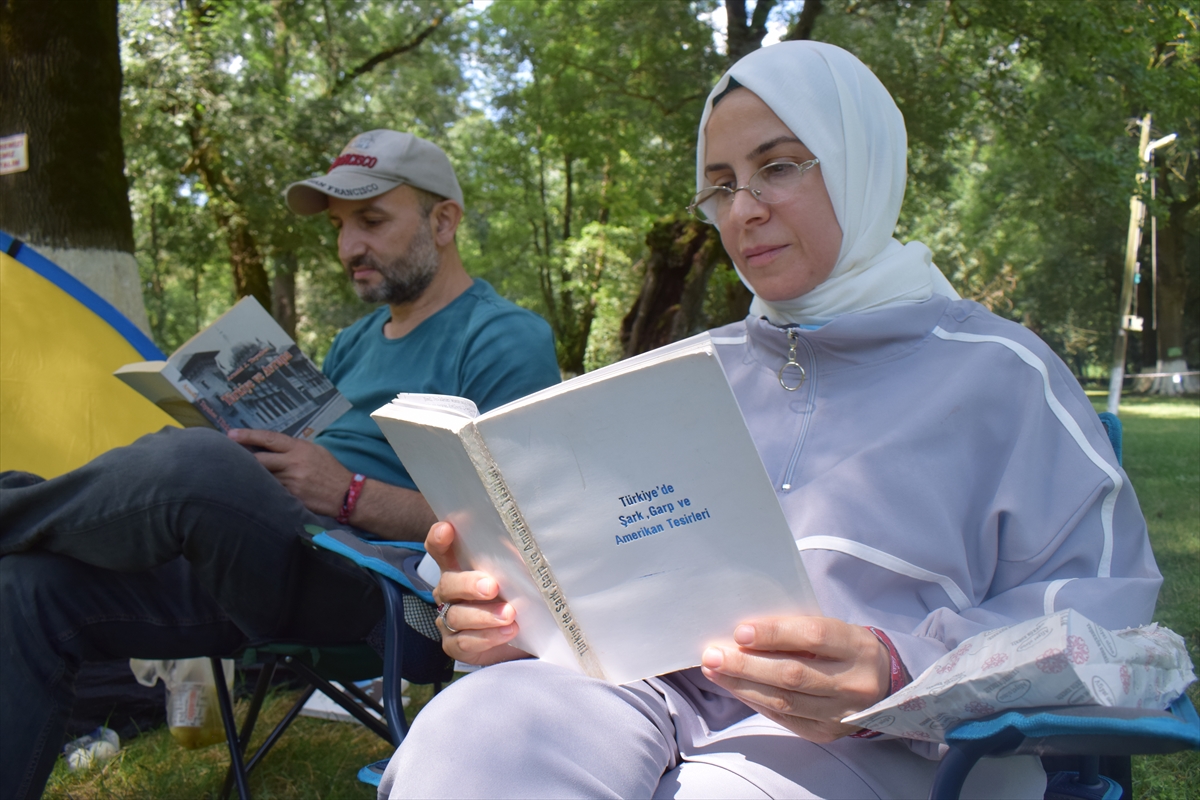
(243,371)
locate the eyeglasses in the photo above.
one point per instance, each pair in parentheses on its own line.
(777,182)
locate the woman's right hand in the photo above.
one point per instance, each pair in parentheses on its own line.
(477,627)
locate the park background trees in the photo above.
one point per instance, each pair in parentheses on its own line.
(572,125)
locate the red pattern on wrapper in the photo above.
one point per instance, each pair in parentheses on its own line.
(995,660)
(952,663)
(980,708)
(1052,661)
(1077,650)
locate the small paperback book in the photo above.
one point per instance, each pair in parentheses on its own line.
(625,513)
(242,371)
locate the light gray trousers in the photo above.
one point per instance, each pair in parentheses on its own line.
(527,729)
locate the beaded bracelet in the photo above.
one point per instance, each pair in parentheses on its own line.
(899,676)
(351,498)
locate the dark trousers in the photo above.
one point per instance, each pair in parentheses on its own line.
(179,545)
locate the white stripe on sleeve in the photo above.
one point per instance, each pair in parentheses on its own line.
(888,561)
(1068,422)
(1052,594)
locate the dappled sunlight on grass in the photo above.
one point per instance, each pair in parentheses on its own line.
(1150,405)
(1181,409)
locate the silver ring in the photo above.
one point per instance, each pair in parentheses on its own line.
(442,608)
(783,381)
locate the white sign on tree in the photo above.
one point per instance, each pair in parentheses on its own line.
(14,153)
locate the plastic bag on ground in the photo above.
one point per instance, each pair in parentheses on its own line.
(95,748)
(193,715)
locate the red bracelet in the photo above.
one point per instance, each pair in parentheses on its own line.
(899,676)
(351,498)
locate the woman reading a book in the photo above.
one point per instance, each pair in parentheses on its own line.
(940,468)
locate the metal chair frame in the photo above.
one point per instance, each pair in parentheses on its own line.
(348,696)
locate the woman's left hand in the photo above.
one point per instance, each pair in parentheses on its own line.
(806,673)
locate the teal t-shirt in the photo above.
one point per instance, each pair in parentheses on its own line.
(480,346)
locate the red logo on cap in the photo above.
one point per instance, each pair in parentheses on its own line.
(353,160)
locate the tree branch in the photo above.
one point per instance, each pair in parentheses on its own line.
(742,36)
(802,28)
(377,59)
(758,21)
(735,14)
(621,88)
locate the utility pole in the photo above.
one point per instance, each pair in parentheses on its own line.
(1137,212)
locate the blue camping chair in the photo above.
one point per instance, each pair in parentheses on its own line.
(1085,734)
(405,595)
(1086,750)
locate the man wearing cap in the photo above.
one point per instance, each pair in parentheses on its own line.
(187,542)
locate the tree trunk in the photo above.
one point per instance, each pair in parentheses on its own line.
(1172,292)
(1172,280)
(246,258)
(60,84)
(682,257)
(283,291)
(744,36)
(802,28)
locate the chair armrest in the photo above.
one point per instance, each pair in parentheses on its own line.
(396,561)
(1073,730)
(1090,730)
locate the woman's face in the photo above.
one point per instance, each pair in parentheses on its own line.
(784,250)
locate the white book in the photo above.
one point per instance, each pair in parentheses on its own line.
(243,371)
(625,513)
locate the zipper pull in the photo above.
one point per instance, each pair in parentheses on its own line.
(793,338)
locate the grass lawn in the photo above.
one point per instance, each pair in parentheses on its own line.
(314,759)
(1162,458)
(319,759)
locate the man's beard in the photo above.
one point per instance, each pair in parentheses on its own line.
(406,277)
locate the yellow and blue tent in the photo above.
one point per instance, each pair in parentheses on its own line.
(60,405)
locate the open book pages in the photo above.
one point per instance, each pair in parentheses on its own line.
(625,513)
(243,371)
(435,404)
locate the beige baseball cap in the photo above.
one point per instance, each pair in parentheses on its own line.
(373,163)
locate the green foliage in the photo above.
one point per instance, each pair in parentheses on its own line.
(589,134)
(561,114)
(227,103)
(1021,159)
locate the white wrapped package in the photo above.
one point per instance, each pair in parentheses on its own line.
(1060,660)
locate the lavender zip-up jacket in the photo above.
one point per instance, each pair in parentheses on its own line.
(943,474)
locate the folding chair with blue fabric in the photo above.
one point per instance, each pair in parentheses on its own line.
(408,612)
(1086,750)
(1084,734)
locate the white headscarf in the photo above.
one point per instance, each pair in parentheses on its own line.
(842,113)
